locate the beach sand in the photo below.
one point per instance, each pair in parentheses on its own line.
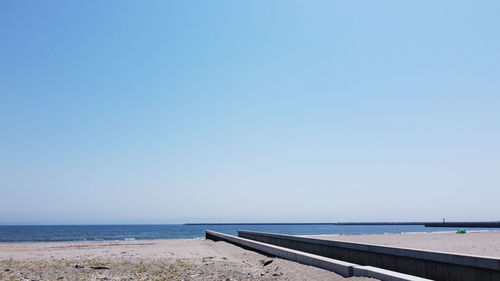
(471,243)
(148,260)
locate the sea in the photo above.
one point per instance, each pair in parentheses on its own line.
(53,233)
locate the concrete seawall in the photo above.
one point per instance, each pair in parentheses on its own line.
(343,268)
(427,264)
(340,267)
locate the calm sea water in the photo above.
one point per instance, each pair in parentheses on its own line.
(177,231)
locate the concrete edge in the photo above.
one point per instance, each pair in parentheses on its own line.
(383,274)
(346,269)
(444,257)
(340,267)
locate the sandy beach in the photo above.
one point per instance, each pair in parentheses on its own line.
(202,259)
(471,243)
(148,260)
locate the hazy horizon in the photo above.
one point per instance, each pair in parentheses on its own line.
(232,223)
(125,112)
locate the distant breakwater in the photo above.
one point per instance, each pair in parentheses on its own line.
(317,223)
(492,224)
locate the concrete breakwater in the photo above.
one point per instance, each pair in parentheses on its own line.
(427,264)
(491,224)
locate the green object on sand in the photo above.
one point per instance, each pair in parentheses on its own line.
(461,231)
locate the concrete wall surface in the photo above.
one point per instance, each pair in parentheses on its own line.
(383,274)
(340,267)
(345,269)
(427,264)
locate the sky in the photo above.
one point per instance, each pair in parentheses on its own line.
(249,111)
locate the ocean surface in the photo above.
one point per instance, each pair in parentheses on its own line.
(46,233)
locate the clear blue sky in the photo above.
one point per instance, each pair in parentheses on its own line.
(197,111)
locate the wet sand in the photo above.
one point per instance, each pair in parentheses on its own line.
(148,260)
